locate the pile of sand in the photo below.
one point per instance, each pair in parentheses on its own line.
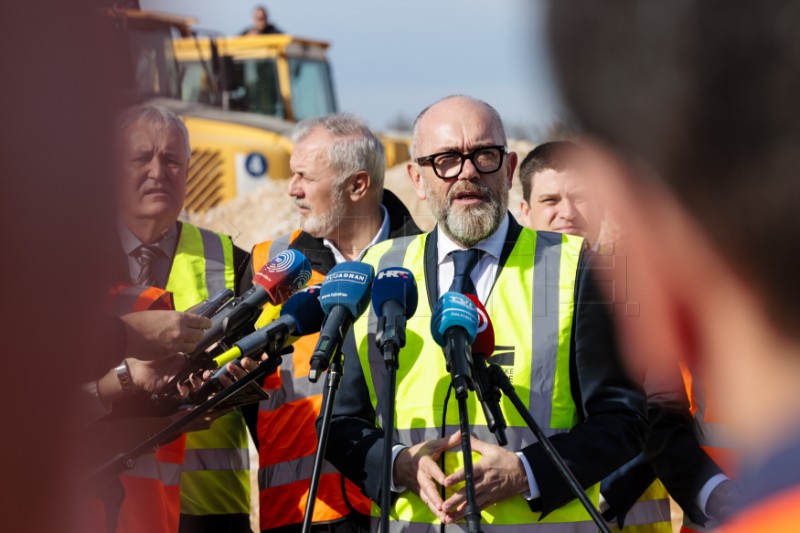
(269,212)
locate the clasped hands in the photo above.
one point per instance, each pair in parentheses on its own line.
(498,475)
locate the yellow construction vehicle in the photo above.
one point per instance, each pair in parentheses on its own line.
(232,152)
(278,75)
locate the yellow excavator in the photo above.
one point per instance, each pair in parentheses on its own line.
(232,152)
(278,75)
(239,97)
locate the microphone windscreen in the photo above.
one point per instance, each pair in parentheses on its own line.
(454,309)
(347,284)
(484,339)
(304,307)
(398,285)
(284,275)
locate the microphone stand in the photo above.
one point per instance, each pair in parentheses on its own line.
(499,378)
(391,337)
(127,460)
(334,377)
(460,375)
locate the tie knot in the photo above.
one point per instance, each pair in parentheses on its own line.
(464,261)
(146,254)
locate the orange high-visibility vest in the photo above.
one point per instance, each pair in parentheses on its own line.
(711,433)
(777,514)
(152,487)
(287,437)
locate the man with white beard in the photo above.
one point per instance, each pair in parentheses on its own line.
(337,168)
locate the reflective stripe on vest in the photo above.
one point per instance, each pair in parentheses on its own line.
(402,526)
(203,265)
(531,309)
(132,298)
(152,501)
(287,437)
(651,513)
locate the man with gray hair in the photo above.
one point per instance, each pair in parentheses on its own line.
(192,263)
(337,168)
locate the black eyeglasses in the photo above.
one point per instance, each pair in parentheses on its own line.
(448,165)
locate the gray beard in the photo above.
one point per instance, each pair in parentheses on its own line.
(469,226)
(325,225)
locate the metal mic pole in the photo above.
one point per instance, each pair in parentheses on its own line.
(499,378)
(390,351)
(459,370)
(334,377)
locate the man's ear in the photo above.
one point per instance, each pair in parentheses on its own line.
(511,165)
(415,175)
(358,185)
(525,208)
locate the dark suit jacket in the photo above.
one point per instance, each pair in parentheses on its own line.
(612,429)
(672,454)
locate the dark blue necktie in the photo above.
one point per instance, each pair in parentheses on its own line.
(464,262)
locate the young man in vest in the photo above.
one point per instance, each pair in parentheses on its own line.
(191,263)
(560,194)
(559,349)
(698,100)
(337,184)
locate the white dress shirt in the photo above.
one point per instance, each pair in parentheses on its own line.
(382,235)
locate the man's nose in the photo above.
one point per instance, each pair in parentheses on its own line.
(568,210)
(468,171)
(295,189)
(156,169)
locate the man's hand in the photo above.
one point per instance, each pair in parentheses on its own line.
(151,376)
(498,475)
(723,501)
(415,468)
(152,334)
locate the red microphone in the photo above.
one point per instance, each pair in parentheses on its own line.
(488,394)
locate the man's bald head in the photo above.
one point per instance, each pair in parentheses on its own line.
(461,103)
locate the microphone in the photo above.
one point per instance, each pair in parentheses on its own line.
(344,296)
(277,280)
(454,326)
(488,394)
(301,315)
(394,298)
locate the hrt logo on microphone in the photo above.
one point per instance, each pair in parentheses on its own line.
(386,273)
(346,276)
(483,320)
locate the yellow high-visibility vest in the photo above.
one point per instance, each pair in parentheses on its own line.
(532,311)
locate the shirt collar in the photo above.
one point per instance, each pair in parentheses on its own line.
(492,245)
(382,235)
(130,242)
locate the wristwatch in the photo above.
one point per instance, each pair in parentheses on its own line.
(124,376)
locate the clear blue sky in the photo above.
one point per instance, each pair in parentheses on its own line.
(394,58)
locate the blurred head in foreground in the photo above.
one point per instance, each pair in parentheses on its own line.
(694,109)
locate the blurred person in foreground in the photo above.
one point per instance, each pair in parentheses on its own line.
(562,356)
(694,108)
(208,482)
(560,193)
(338,167)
